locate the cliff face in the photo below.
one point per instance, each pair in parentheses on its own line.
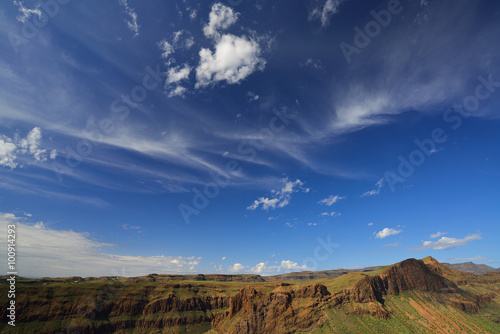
(283,310)
(107,306)
(251,311)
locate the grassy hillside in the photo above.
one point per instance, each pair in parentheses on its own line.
(409,297)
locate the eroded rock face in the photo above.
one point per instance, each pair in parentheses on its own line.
(268,308)
(283,310)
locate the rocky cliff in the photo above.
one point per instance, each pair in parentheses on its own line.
(156,304)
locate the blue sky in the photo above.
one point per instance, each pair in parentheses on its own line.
(248,136)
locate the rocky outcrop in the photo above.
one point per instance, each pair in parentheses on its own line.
(283,310)
(121,305)
(410,274)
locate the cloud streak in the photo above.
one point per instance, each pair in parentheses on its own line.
(448,243)
(45,251)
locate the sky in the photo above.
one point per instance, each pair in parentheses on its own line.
(241,136)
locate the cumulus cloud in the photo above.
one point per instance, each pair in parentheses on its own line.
(323,11)
(281,197)
(387,232)
(234,59)
(45,251)
(7,153)
(177,91)
(286,265)
(237,267)
(176,74)
(330,200)
(229,60)
(448,243)
(132,23)
(10,149)
(220,18)
(166,47)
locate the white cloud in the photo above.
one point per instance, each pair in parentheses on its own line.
(220,18)
(261,268)
(25,13)
(132,24)
(330,200)
(31,145)
(177,91)
(10,149)
(265,202)
(375,191)
(437,235)
(7,153)
(237,267)
(387,232)
(282,197)
(448,243)
(331,214)
(182,39)
(396,244)
(176,74)
(325,10)
(234,59)
(192,14)
(252,97)
(44,251)
(167,49)
(130,227)
(370,224)
(287,265)
(223,258)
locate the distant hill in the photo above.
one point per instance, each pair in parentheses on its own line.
(471,267)
(412,296)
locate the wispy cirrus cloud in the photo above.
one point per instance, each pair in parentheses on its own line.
(330,200)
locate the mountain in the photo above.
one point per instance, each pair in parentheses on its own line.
(471,267)
(412,296)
